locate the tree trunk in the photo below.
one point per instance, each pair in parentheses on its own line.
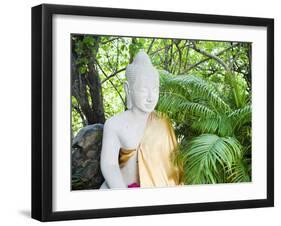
(86,88)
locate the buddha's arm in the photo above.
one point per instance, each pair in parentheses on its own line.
(109,158)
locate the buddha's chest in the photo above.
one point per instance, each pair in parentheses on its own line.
(131,135)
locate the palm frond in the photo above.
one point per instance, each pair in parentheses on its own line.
(174,87)
(197,107)
(241,116)
(175,103)
(207,155)
(240,171)
(196,87)
(216,124)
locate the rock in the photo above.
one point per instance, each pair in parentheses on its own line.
(86,149)
(91,154)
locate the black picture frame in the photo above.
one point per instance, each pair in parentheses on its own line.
(42,111)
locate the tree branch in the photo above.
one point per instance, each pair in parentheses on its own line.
(180,55)
(111,40)
(76,107)
(111,83)
(208,58)
(150,46)
(220,61)
(113,74)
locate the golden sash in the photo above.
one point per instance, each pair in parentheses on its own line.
(156,152)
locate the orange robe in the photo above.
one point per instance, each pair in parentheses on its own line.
(155,154)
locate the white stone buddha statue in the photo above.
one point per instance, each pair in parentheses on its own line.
(139,144)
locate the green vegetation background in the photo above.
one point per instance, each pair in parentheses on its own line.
(205,90)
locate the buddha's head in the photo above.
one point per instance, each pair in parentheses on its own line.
(142,85)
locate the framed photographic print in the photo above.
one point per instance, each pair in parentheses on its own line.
(139,112)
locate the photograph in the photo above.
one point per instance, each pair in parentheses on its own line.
(141,112)
(159,112)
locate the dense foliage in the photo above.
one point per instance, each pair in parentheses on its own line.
(205,90)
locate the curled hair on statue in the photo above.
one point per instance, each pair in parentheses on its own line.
(141,66)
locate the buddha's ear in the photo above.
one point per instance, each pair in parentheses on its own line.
(126,87)
(128,96)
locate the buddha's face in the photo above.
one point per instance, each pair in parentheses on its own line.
(145,93)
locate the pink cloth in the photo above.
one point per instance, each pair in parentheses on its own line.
(134,185)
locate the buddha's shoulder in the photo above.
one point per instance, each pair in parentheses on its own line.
(160,119)
(116,121)
(158,116)
(163,125)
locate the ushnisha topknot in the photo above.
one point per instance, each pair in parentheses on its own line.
(141,66)
(142,59)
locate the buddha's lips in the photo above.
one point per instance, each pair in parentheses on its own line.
(134,185)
